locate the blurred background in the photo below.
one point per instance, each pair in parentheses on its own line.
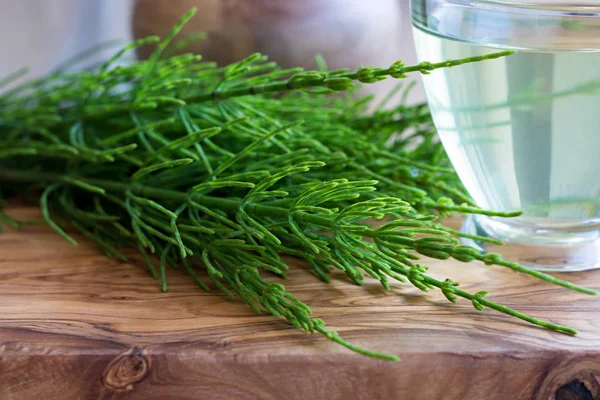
(41,34)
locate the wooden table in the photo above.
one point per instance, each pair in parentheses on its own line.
(76,325)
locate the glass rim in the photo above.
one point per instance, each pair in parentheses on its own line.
(528,25)
(572,6)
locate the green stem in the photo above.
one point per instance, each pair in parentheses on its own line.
(306,83)
(233,206)
(318,82)
(335,337)
(503,309)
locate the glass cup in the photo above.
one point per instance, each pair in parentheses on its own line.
(522,131)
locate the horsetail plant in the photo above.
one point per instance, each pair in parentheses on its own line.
(232,169)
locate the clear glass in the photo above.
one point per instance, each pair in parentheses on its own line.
(523,132)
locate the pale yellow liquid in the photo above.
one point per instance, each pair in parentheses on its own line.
(523,132)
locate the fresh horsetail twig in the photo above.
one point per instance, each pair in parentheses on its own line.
(240,166)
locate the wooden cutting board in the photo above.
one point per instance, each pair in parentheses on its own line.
(76,325)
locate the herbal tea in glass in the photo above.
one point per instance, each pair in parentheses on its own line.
(523,131)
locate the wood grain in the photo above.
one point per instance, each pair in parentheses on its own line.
(76,325)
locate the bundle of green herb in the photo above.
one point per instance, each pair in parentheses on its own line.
(231,169)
